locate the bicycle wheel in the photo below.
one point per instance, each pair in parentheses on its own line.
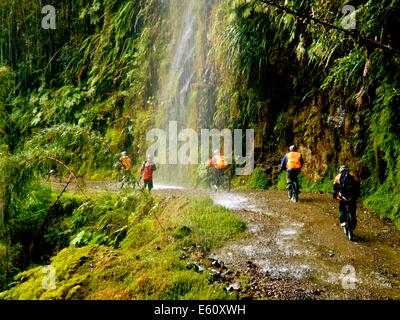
(346,230)
(213,183)
(350,234)
(295,195)
(290,191)
(226,183)
(349,226)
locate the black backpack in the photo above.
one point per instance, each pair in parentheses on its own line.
(348,186)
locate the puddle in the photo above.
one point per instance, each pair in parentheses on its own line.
(287,249)
(236,202)
(288,233)
(293,271)
(252,251)
(285,240)
(167,187)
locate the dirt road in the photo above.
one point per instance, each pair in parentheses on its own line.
(299,251)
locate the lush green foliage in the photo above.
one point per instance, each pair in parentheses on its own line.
(258,180)
(129,246)
(63,98)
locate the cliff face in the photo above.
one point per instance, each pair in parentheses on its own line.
(333,93)
(304,83)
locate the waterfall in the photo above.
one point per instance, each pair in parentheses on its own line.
(184,92)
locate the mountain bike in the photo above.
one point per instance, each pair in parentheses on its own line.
(126,180)
(348,224)
(219,182)
(293,191)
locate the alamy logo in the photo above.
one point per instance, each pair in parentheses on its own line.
(49,279)
(49,21)
(349,21)
(348,277)
(185,148)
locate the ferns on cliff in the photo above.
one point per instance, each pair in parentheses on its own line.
(337,94)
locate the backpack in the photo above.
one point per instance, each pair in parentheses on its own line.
(348,186)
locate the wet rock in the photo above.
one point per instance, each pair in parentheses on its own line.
(228,272)
(158,248)
(195,266)
(215,276)
(198,268)
(184,257)
(233,287)
(216,264)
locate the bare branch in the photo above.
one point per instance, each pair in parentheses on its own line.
(331,26)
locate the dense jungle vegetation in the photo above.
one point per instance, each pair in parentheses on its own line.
(72,98)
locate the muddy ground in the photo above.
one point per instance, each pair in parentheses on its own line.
(299,251)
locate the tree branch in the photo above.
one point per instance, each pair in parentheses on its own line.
(331,26)
(72,174)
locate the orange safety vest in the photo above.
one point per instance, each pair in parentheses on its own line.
(294,160)
(126,163)
(219,162)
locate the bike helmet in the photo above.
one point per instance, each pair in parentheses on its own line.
(344,169)
(292,148)
(123,153)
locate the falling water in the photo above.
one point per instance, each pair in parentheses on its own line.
(184,88)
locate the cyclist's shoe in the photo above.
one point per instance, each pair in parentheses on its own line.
(343,224)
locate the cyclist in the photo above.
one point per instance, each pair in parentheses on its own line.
(292,163)
(126,168)
(146,171)
(346,189)
(126,163)
(219,164)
